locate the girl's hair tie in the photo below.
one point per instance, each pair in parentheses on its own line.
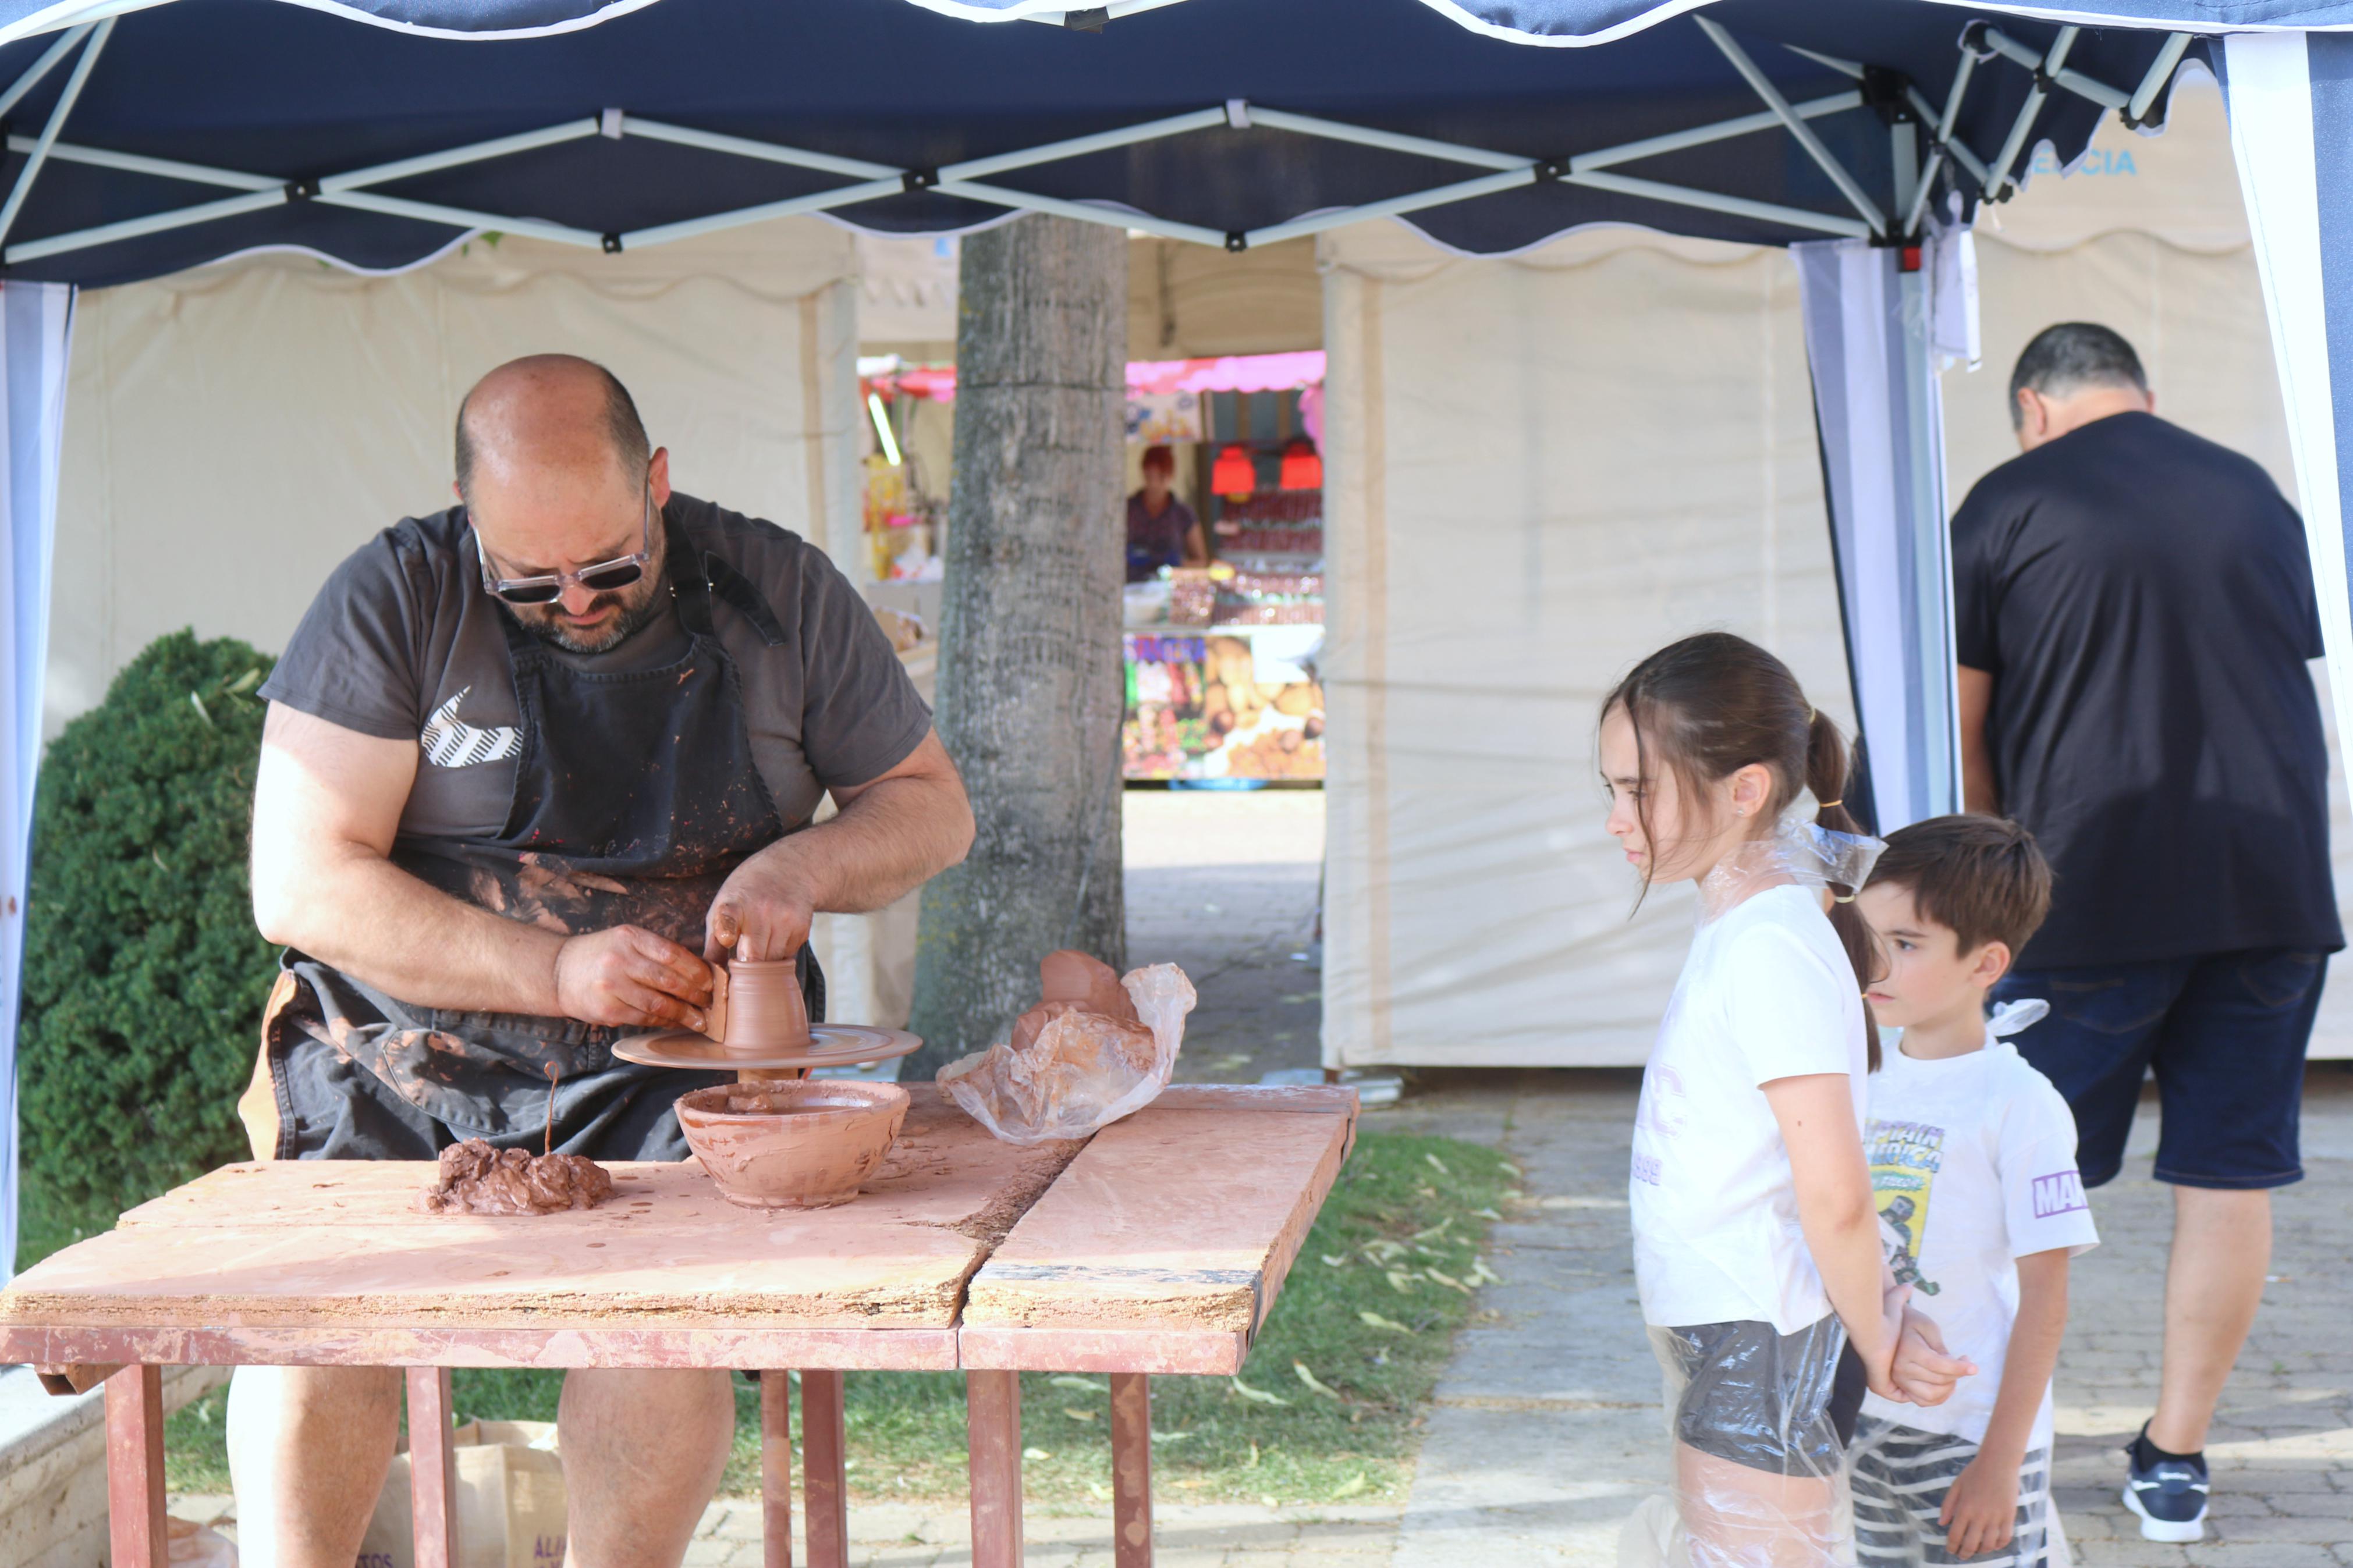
(1841,898)
(1825,805)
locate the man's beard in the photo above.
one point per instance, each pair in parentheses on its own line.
(538,621)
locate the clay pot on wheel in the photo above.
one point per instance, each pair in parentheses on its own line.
(806,1145)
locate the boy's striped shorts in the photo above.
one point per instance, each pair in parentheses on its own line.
(1901,1477)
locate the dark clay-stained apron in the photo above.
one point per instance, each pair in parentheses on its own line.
(636,796)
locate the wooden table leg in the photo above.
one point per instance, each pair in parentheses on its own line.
(775,1469)
(993,1428)
(432,1468)
(134,1468)
(825,1484)
(1131,1470)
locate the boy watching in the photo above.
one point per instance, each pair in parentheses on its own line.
(1973,1164)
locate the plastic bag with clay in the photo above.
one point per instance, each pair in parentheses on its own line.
(1069,1071)
(1760,1472)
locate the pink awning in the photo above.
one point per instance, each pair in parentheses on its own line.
(1232,372)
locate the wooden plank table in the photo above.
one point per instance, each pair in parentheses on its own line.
(1158,1246)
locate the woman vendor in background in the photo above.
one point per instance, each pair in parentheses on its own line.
(1161,530)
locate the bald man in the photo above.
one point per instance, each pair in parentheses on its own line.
(532,766)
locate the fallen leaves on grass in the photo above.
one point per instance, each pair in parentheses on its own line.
(1373,1319)
(1257,1395)
(1311,1381)
(1349,1488)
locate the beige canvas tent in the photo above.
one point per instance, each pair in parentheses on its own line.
(1542,466)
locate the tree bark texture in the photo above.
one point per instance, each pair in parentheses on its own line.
(1030,693)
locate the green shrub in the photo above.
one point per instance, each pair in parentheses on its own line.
(144,977)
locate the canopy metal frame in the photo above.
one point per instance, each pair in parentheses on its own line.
(1911,117)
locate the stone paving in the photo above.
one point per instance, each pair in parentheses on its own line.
(1547,1432)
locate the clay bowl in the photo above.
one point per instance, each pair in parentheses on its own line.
(806,1145)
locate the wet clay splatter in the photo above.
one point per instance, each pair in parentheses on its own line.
(478,1179)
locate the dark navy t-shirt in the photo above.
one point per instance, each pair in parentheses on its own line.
(403,642)
(2143,600)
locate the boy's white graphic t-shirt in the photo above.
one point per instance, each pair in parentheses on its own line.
(1973,1167)
(1766,994)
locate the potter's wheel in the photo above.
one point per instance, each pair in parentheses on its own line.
(829,1045)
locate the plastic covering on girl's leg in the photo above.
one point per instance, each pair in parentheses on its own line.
(1760,1475)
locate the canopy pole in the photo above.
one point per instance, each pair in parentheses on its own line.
(1080,146)
(136,163)
(2143,97)
(1943,135)
(65,105)
(1677,141)
(42,67)
(2075,82)
(2035,97)
(1709,201)
(134,228)
(1763,87)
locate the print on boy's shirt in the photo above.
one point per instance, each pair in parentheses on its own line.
(2061,1191)
(1904,1159)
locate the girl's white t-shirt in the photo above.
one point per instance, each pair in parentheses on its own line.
(1766,994)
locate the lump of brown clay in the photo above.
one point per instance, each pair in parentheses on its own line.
(478,1179)
(1100,1047)
(1085,979)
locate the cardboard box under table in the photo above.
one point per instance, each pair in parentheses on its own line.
(1156,1247)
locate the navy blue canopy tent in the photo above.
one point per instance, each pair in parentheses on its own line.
(145,136)
(375,134)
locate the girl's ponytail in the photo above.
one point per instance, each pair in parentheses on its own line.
(1826,778)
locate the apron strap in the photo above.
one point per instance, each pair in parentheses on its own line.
(698,574)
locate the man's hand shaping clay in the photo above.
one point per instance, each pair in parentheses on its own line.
(629,975)
(763,911)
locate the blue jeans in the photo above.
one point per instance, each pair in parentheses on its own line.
(2224,1035)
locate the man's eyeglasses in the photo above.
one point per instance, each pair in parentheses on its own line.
(604,577)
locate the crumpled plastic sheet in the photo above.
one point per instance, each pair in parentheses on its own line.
(1760,1476)
(1083,1072)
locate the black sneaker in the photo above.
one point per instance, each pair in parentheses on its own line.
(2170,1496)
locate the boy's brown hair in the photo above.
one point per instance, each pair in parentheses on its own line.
(1981,877)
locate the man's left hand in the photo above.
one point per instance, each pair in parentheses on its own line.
(763,910)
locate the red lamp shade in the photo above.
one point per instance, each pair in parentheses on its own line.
(1234,474)
(1302,468)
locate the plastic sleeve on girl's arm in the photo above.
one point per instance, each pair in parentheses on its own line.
(1787,1012)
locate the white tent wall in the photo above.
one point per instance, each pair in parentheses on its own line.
(237,430)
(1543,466)
(1537,470)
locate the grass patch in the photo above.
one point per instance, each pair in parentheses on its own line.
(1367,1311)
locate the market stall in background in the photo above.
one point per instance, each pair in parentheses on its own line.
(1222,655)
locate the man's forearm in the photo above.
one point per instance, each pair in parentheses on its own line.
(380,925)
(2032,1356)
(897,835)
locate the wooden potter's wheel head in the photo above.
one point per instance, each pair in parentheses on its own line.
(766,1030)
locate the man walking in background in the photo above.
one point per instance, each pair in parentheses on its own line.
(2134,615)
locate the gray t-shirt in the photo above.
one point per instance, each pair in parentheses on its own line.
(403,643)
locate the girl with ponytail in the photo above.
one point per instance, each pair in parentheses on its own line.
(1756,1235)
